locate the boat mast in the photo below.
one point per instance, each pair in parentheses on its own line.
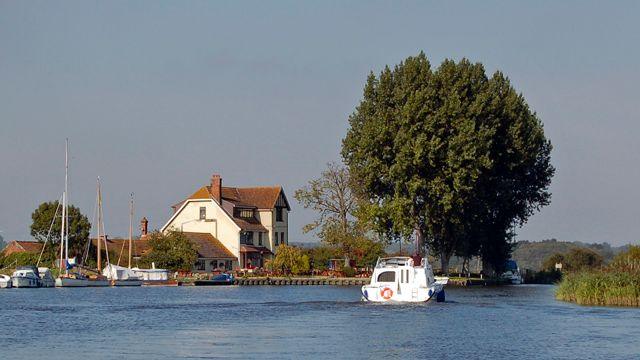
(65,216)
(130,228)
(99,239)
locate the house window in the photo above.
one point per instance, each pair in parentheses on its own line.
(259,239)
(276,238)
(243,213)
(281,238)
(278,214)
(200,265)
(203,213)
(246,237)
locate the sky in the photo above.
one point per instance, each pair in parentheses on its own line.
(156,96)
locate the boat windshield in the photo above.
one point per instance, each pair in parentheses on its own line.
(394,261)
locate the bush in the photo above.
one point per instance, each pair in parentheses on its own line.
(173,251)
(290,260)
(348,271)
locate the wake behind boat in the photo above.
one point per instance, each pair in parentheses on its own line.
(398,279)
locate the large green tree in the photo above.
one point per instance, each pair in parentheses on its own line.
(79,226)
(448,154)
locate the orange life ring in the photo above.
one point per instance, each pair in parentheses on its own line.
(386,293)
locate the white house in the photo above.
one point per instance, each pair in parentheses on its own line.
(233,227)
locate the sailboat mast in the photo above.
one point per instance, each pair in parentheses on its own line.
(62,232)
(130,228)
(99,239)
(66,201)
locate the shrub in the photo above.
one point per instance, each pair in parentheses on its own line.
(348,271)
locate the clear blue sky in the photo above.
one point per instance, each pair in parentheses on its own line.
(156,96)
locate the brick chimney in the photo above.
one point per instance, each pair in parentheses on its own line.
(216,187)
(144,226)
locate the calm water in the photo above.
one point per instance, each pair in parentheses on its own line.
(307,322)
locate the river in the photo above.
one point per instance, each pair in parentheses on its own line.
(304,322)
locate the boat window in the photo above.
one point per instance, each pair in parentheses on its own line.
(402,276)
(387,276)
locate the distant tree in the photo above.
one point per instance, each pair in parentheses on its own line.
(549,263)
(172,250)
(2,243)
(581,258)
(79,226)
(319,256)
(574,260)
(628,260)
(449,154)
(290,260)
(334,201)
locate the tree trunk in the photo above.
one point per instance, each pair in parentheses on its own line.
(419,241)
(444,262)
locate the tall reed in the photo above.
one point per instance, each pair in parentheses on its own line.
(603,287)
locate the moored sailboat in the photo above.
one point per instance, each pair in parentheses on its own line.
(120,275)
(67,278)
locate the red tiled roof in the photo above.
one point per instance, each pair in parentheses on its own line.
(254,249)
(16,246)
(259,197)
(208,246)
(139,246)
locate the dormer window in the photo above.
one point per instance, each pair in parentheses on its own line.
(243,213)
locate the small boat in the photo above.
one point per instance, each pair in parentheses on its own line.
(5,281)
(512,273)
(72,279)
(154,276)
(218,280)
(398,279)
(121,276)
(46,279)
(25,277)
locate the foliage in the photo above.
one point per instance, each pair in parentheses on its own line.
(628,260)
(454,155)
(574,260)
(19,259)
(348,271)
(290,260)
(532,254)
(79,226)
(172,250)
(319,256)
(2,243)
(619,288)
(334,201)
(367,251)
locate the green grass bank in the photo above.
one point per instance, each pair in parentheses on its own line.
(601,288)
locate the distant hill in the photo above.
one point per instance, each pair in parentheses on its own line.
(531,254)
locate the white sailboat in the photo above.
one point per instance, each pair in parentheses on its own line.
(67,278)
(120,275)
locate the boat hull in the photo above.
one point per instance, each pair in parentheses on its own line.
(386,294)
(5,284)
(126,282)
(212,283)
(24,282)
(70,282)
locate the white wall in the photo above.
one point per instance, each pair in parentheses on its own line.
(222,227)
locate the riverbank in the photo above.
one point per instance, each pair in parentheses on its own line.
(601,288)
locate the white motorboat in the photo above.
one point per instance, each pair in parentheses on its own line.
(398,279)
(5,281)
(46,279)
(512,273)
(25,277)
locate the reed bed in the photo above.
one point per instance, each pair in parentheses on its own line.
(603,287)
